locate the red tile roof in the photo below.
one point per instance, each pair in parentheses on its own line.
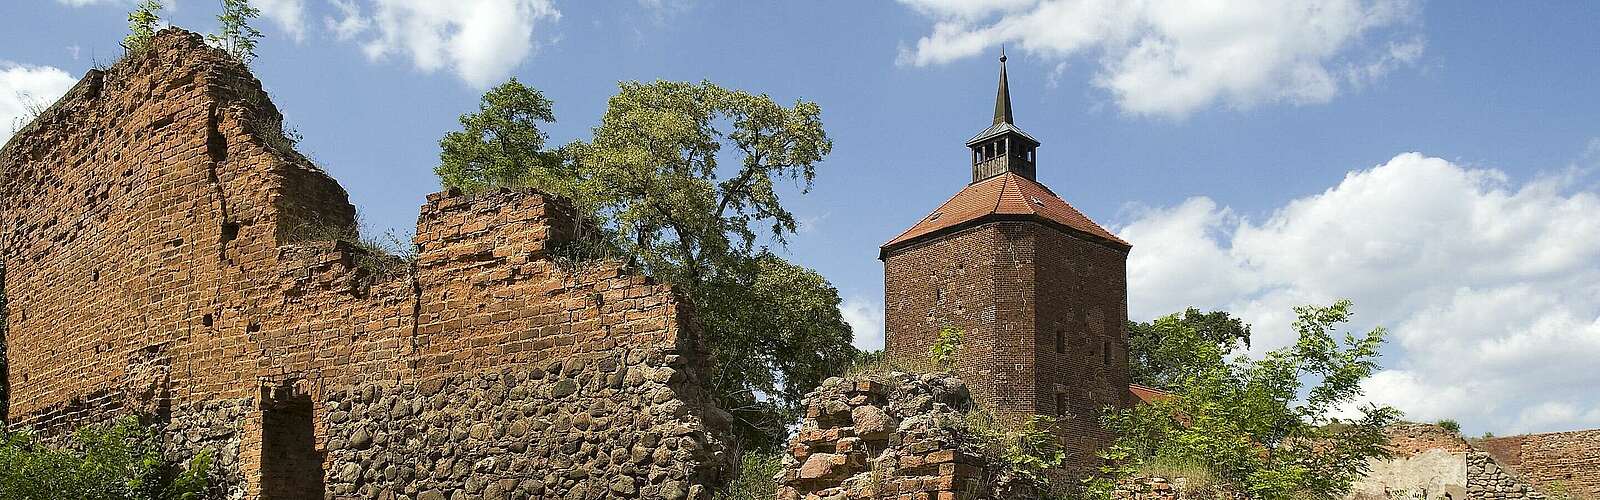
(1004,195)
(1142,394)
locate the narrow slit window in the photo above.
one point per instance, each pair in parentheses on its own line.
(1106,352)
(1061,341)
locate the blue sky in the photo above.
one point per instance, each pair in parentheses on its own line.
(1435,162)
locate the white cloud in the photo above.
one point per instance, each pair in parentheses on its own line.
(27,90)
(1491,288)
(287,14)
(1172,57)
(865,317)
(479,40)
(350,21)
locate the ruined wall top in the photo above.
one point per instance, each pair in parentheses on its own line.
(164,243)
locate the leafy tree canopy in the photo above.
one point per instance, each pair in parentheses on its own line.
(1154,362)
(1268,425)
(683,179)
(501,144)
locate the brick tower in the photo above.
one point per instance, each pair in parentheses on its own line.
(1039,289)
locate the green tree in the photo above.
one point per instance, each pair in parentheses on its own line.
(1154,362)
(774,331)
(116,461)
(142,25)
(238,37)
(654,172)
(501,145)
(682,179)
(1266,426)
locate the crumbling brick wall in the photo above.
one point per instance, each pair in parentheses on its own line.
(169,254)
(898,436)
(1560,461)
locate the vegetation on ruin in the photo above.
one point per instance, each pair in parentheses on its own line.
(1152,365)
(683,180)
(755,479)
(1023,448)
(502,145)
(1197,477)
(238,37)
(1256,424)
(121,460)
(142,24)
(1449,425)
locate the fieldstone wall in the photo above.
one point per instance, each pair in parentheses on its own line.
(169,254)
(892,435)
(216,426)
(611,427)
(1486,479)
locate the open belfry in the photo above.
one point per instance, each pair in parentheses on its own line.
(1038,289)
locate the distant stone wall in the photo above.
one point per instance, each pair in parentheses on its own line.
(1561,461)
(169,254)
(1430,463)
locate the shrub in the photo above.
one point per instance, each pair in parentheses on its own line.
(1449,425)
(944,349)
(1025,447)
(116,461)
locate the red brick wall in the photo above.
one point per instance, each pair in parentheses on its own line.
(1083,294)
(142,207)
(1563,460)
(951,281)
(1012,286)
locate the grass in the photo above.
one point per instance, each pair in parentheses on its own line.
(876,363)
(1197,477)
(754,479)
(376,257)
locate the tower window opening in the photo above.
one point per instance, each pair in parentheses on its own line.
(1105,353)
(1061,403)
(1061,341)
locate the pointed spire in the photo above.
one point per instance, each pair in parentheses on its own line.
(1002,98)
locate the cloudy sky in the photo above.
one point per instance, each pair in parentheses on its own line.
(1434,162)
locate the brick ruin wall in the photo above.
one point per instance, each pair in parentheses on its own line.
(1562,461)
(169,255)
(890,435)
(1430,462)
(1044,313)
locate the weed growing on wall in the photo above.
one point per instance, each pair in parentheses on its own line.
(238,37)
(142,26)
